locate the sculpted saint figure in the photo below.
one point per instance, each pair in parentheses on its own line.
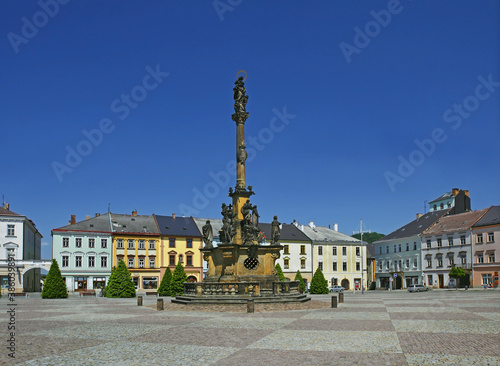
(275,230)
(208,235)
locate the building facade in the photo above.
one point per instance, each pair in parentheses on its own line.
(486,249)
(83,252)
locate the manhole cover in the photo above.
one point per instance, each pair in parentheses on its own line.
(251,263)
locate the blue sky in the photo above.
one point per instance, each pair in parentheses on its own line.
(358,110)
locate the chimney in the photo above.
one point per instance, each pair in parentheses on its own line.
(73,220)
(97,214)
(134,213)
(466,191)
(87,217)
(7,206)
(311,224)
(336,227)
(419,215)
(173,215)
(454,191)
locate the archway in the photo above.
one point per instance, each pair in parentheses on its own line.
(345,283)
(192,279)
(32,279)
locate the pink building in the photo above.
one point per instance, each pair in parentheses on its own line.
(486,249)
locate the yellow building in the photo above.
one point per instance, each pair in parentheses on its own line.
(136,240)
(180,241)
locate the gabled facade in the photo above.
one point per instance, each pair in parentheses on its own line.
(398,261)
(136,241)
(486,249)
(83,252)
(340,257)
(21,241)
(180,241)
(456,201)
(297,253)
(448,243)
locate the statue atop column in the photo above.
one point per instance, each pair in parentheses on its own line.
(275,231)
(208,235)
(240,101)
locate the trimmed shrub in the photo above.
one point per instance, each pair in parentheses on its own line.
(54,286)
(120,282)
(319,285)
(178,278)
(166,283)
(279,272)
(302,285)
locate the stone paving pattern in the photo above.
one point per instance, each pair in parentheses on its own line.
(440,327)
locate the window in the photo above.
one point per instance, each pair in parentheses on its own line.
(130,244)
(152,262)
(479,239)
(395,248)
(119,244)
(491,238)
(491,258)
(78,242)
(486,278)
(358,266)
(78,261)
(99,282)
(286,263)
(429,263)
(428,243)
(386,264)
(440,243)
(320,250)
(435,207)
(189,243)
(450,240)
(91,243)
(464,260)
(302,249)
(152,244)
(440,262)
(344,266)
(65,261)
(142,244)
(462,239)
(386,249)
(399,247)
(380,264)
(320,265)
(286,249)
(451,261)
(334,250)
(358,251)
(189,260)
(407,263)
(480,258)
(104,243)
(344,250)
(379,250)
(92,261)
(141,262)
(10,230)
(171,243)
(441,205)
(130,262)
(65,242)
(415,262)
(429,279)
(334,266)
(302,263)
(414,245)
(171,260)
(104,262)
(149,282)
(407,247)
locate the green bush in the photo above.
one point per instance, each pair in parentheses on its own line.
(178,278)
(279,272)
(54,286)
(319,285)
(302,285)
(166,282)
(120,282)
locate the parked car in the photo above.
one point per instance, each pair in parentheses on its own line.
(336,289)
(417,288)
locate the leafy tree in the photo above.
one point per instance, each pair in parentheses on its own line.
(120,282)
(178,278)
(165,284)
(369,237)
(54,286)
(457,273)
(302,285)
(319,285)
(279,272)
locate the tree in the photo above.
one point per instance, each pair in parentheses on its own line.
(178,279)
(457,273)
(166,282)
(319,285)
(279,272)
(302,285)
(54,286)
(120,282)
(369,237)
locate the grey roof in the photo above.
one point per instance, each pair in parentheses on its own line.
(216,225)
(492,217)
(416,227)
(323,234)
(129,224)
(288,232)
(94,224)
(443,196)
(178,226)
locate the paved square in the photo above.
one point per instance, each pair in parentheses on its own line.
(440,327)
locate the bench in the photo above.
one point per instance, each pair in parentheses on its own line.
(87,293)
(155,293)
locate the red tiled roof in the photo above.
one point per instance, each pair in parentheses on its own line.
(458,222)
(5,212)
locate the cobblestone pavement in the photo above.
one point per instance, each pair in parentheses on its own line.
(440,327)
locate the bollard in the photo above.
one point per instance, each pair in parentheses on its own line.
(341,297)
(159,304)
(139,300)
(250,306)
(334,301)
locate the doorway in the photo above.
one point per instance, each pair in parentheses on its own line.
(441,281)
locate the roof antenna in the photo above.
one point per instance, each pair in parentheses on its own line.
(109,207)
(425,207)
